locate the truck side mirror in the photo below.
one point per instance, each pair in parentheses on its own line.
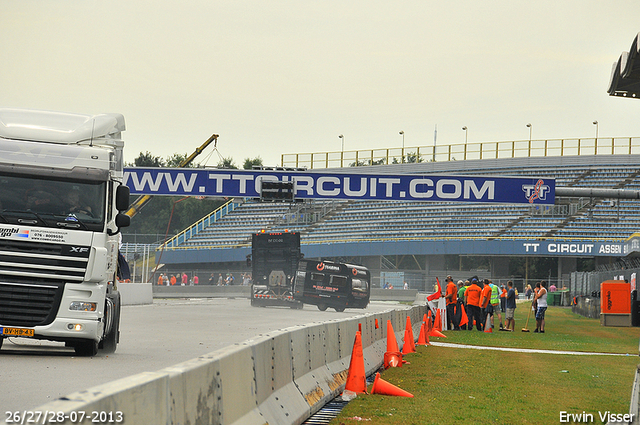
(122,199)
(123,220)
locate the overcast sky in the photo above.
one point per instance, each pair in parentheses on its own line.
(273,77)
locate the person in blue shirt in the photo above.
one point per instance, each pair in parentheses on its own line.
(511,308)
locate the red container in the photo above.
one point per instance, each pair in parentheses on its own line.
(615,297)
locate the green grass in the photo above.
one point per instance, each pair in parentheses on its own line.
(458,385)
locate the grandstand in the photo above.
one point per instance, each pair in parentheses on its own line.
(371,232)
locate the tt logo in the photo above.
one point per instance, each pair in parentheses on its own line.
(537,191)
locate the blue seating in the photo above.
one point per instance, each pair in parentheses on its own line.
(411,220)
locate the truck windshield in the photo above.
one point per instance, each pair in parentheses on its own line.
(49,202)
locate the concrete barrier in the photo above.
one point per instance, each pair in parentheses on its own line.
(201,291)
(241,291)
(135,293)
(278,378)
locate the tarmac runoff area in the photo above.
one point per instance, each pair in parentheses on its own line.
(524,350)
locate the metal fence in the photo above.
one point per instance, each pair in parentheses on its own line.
(586,283)
(465,151)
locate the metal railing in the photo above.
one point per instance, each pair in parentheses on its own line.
(465,151)
(200,225)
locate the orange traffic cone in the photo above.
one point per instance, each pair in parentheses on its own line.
(423,338)
(437,333)
(408,346)
(356,377)
(409,339)
(380,386)
(438,321)
(392,343)
(393,359)
(487,326)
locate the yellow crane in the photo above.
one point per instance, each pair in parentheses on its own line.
(142,200)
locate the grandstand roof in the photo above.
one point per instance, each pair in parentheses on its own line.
(625,76)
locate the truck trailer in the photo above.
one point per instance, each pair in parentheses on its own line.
(274,259)
(336,285)
(62,205)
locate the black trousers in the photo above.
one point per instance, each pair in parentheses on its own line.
(451,317)
(476,313)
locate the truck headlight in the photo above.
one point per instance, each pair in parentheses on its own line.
(75,327)
(82,306)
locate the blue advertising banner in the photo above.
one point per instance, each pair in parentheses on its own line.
(312,185)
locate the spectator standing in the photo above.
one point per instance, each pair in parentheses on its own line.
(212,279)
(485,298)
(220,280)
(541,298)
(195,279)
(552,288)
(511,308)
(503,299)
(528,292)
(173,279)
(495,302)
(405,286)
(534,304)
(161,279)
(472,299)
(185,278)
(451,296)
(460,305)
(165,280)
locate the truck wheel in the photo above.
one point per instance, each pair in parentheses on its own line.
(86,348)
(322,307)
(340,309)
(110,341)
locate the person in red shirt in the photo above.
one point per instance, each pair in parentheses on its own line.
(472,299)
(452,299)
(485,297)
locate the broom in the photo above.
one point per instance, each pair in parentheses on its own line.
(527,324)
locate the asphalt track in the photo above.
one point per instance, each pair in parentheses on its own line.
(153,337)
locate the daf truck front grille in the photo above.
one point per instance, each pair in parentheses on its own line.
(32,279)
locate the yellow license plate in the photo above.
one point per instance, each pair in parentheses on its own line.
(17,332)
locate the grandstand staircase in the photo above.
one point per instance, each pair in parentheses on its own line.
(627,181)
(506,228)
(581,210)
(326,213)
(581,177)
(585,208)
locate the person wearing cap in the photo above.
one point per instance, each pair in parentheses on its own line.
(451,295)
(472,299)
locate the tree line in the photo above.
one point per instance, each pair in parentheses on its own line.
(153,218)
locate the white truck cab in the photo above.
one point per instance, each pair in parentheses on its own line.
(62,205)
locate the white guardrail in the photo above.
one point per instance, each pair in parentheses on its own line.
(278,378)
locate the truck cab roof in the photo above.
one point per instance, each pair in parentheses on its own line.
(58,127)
